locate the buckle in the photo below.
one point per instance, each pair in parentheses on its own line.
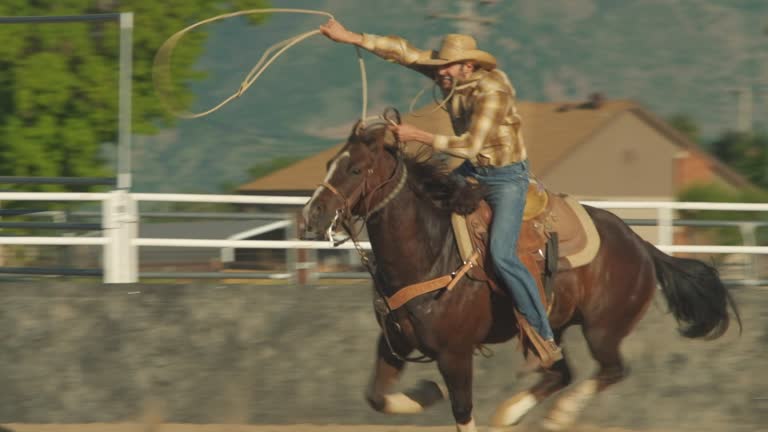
(380,306)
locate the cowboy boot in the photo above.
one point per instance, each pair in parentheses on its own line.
(547,350)
(535,362)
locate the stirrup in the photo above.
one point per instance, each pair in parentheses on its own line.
(550,354)
(541,357)
(548,351)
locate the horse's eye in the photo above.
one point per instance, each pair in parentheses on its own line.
(356,171)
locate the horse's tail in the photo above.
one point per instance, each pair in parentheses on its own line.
(695,294)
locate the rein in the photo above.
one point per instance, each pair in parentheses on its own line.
(387,304)
(364,256)
(344,214)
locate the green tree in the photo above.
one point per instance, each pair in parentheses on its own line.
(746,152)
(58,89)
(716,193)
(685,124)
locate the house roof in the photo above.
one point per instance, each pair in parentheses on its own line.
(551,131)
(304,175)
(721,169)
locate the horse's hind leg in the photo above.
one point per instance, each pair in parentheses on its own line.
(386,373)
(511,411)
(604,346)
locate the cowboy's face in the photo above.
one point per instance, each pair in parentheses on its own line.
(447,74)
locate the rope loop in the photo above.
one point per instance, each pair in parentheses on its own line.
(161,70)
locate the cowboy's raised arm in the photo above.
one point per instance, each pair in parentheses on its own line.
(336,32)
(392,48)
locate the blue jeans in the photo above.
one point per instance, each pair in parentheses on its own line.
(507,187)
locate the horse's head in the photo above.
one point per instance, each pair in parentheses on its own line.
(354,175)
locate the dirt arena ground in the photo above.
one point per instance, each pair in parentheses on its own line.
(136,427)
(201,355)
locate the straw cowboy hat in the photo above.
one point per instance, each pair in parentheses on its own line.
(458,48)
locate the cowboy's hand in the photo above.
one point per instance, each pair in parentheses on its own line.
(336,32)
(405,132)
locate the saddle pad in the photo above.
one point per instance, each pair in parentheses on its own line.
(578,238)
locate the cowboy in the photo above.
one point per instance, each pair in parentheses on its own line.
(481,103)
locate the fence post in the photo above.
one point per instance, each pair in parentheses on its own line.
(749,238)
(305,259)
(2,248)
(119,221)
(291,255)
(665,221)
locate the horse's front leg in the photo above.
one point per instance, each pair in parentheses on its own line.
(386,373)
(511,411)
(456,368)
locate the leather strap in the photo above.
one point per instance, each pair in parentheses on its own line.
(337,193)
(407,293)
(463,270)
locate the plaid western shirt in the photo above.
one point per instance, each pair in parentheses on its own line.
(482,109)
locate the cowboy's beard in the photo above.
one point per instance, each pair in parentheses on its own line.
(445,82)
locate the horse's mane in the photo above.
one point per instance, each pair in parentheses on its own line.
(430,178)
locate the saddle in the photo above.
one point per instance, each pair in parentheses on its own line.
(557,234)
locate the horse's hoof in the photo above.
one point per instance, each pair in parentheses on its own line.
(552,426)
(428,392)
(512,410)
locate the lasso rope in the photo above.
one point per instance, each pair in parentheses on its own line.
(162,64)
(161,71)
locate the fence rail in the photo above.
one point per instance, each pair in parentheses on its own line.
(120,219)
(244,244)
(77,181)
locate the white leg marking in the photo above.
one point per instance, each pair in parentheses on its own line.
(399,403)
(443,391)
(569,406)
(469,427)
(513,409)
(328,176)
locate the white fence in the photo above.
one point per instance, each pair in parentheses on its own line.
(120,220)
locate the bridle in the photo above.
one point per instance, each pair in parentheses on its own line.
(400,168)
(361,199)
(361,194)
(343,217)
(364,194)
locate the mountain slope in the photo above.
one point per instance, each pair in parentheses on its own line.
(673,56)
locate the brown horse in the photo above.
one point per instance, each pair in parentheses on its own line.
(406,203)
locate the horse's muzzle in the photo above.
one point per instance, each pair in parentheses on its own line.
(305,234)
(314,222)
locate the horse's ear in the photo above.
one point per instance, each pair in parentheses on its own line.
(357,128)
(378,137)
